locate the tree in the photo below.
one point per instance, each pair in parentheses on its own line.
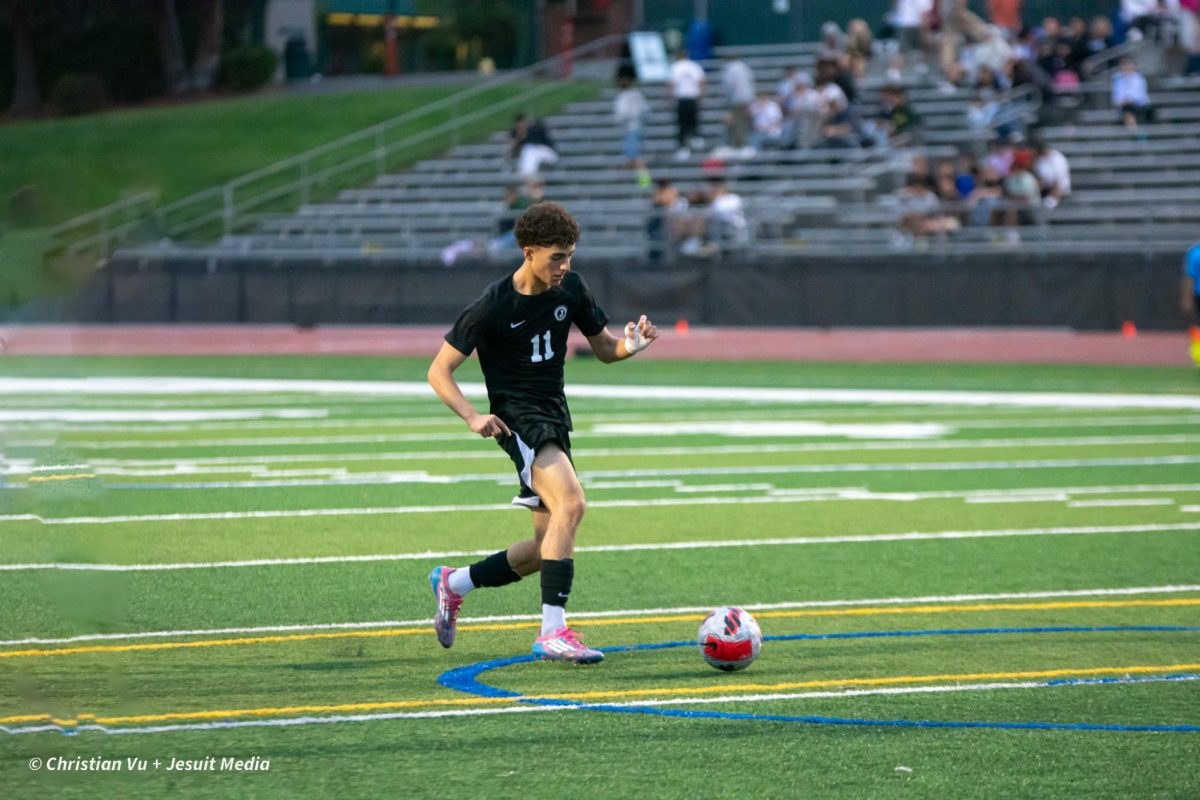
(207,61)
(170,47)
(27,97)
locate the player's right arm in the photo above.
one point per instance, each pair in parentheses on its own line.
(441,378)
(1187,294)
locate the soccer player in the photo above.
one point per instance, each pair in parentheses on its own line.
(519,325)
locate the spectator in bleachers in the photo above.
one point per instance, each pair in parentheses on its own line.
(959,25)
(1063,68)
(832,42)
(1051,30)
(838,126)
(515,202)
(1130,95)
(668,216)
(767,119)
(686,89)
(726,216)
(981,113)
(986,200)
(1100,35)
(921,213)
(945,184)
(900,123)
(910,19)
(1025,47)
(738,81)
(966,176)
(530,145)
(1005,14)
(1077,35)
(630,109)
(1141,15)
(786,86)
(1022,193)
(1053,173)
(858,47)
(803,111)
(1000,156)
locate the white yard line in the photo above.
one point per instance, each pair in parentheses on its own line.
(627,612)
(1149,501)
(423,477)
(192,386)
(913,536)
(192,465)
(864,442)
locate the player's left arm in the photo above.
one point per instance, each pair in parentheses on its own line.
(638,336)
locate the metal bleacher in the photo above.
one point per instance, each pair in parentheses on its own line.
(1131,193)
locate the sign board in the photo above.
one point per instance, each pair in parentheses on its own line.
(649,56)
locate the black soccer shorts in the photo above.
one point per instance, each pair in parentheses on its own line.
(527,440)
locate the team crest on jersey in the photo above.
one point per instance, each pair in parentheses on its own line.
(560,313)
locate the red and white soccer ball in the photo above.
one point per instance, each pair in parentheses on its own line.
(729,639)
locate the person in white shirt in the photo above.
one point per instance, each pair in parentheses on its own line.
(687,87)
(630,109)
(726,216)
(768,122)
(1053,174)
(738,81)
(803,112)
(1130,94)
(908,18)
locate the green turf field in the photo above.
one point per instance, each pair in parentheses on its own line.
(969,588)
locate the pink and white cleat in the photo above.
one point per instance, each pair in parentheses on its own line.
(564,645)
(445,616)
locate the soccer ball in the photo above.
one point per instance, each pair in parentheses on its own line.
(729,639)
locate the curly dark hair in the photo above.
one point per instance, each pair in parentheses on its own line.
(546,225)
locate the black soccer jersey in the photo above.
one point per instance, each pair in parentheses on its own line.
(522,344)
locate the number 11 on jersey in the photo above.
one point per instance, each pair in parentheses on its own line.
(538,347)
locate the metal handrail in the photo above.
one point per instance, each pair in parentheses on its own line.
(1093,66)
(197,214)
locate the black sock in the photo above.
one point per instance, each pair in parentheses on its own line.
(494,571)
(556,581)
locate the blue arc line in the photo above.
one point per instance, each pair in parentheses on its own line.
(466,680)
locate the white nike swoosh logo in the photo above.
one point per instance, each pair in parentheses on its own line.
(516,324)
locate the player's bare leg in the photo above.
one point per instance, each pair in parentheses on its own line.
(525,557)
(554,480)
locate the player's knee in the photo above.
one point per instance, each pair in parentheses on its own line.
(571,509)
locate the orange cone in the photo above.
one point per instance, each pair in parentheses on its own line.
(681,326)
(1128,329)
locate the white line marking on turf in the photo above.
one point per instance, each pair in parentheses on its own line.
(460,436)
(179,466)
(240,386)
(1149,501)
(623,548)
(862,430)
(781,469)
(179,415)
(525,708)
(628,612)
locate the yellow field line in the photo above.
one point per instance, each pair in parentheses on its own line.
(694,690)
(37,478)
(512,626)
(903,679)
